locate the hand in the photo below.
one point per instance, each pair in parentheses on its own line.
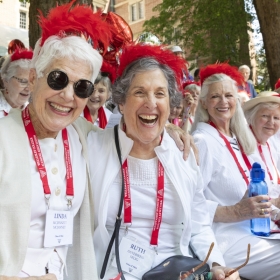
(220,272)
(183,140)
(253,207)
(188,101)
(45,277)
(276,202)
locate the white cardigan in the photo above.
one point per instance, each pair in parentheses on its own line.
(15,204)
(185,175)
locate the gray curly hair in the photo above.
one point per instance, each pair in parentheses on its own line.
(122,84)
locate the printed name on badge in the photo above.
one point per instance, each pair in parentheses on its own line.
(135,258)
(58,229)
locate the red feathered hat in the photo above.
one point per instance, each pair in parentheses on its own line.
(110,70)
(222,68)
(76,20)
(187,83)
(21,54)
(277,85)
(134,52)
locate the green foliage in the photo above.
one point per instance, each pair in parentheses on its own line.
(209,28)
(263,76)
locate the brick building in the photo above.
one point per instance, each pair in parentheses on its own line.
(135,13)
(13,23)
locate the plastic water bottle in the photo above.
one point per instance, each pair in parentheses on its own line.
(257,186)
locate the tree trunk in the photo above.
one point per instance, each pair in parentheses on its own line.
(44,6)
(244,55)
(268,14)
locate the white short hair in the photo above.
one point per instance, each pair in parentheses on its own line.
(9,68)
(238,124)
(193,87)
(244,67)
(251,114)
(71,47)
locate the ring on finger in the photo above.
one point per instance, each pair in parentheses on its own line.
(262,212)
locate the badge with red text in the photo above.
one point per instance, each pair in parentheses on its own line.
(135,258)
(58,229)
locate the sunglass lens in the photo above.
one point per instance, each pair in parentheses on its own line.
(83,88)
(57,80)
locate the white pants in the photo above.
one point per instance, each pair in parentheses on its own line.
(264,262)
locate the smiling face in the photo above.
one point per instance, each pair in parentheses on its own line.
(176,111)
(266,123)
(56,109)
(146,108)
(220,102)
(17,94)
(98,97)
(195,95)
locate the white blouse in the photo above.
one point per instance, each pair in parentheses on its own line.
(223,182)
(143,184)
(52,149)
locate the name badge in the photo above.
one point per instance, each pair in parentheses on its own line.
(58,229)
(135,258)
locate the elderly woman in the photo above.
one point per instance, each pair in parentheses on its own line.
(263,115)
(45,201)
(145,91)
(95,111)
(176,113)
(223,137)
(245,85)
(15,73)
(192,91)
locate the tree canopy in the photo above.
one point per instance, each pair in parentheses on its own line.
(208,28)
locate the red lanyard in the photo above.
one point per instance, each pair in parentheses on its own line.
(263,158)
(5,114)
(190,120)
(159,201)
(36,150)
(233,154)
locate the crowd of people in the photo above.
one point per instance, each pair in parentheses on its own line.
(65,175)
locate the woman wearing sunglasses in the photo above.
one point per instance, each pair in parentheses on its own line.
(45,201)
(15,72)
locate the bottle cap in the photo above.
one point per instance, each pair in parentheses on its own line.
(257,173)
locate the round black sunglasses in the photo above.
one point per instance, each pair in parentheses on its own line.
(58,80)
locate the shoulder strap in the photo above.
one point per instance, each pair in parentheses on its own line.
(115,235)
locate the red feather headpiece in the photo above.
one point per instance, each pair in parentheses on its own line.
(109,69)
(76,20)
(277,85)
(21,54)
(134,52)
(222,68)
(187,83)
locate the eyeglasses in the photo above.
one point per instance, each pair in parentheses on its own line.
(184,275)
(22,82)
(59,80)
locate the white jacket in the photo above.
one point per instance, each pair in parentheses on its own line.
(185,175)
(223,182)
(15,204)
